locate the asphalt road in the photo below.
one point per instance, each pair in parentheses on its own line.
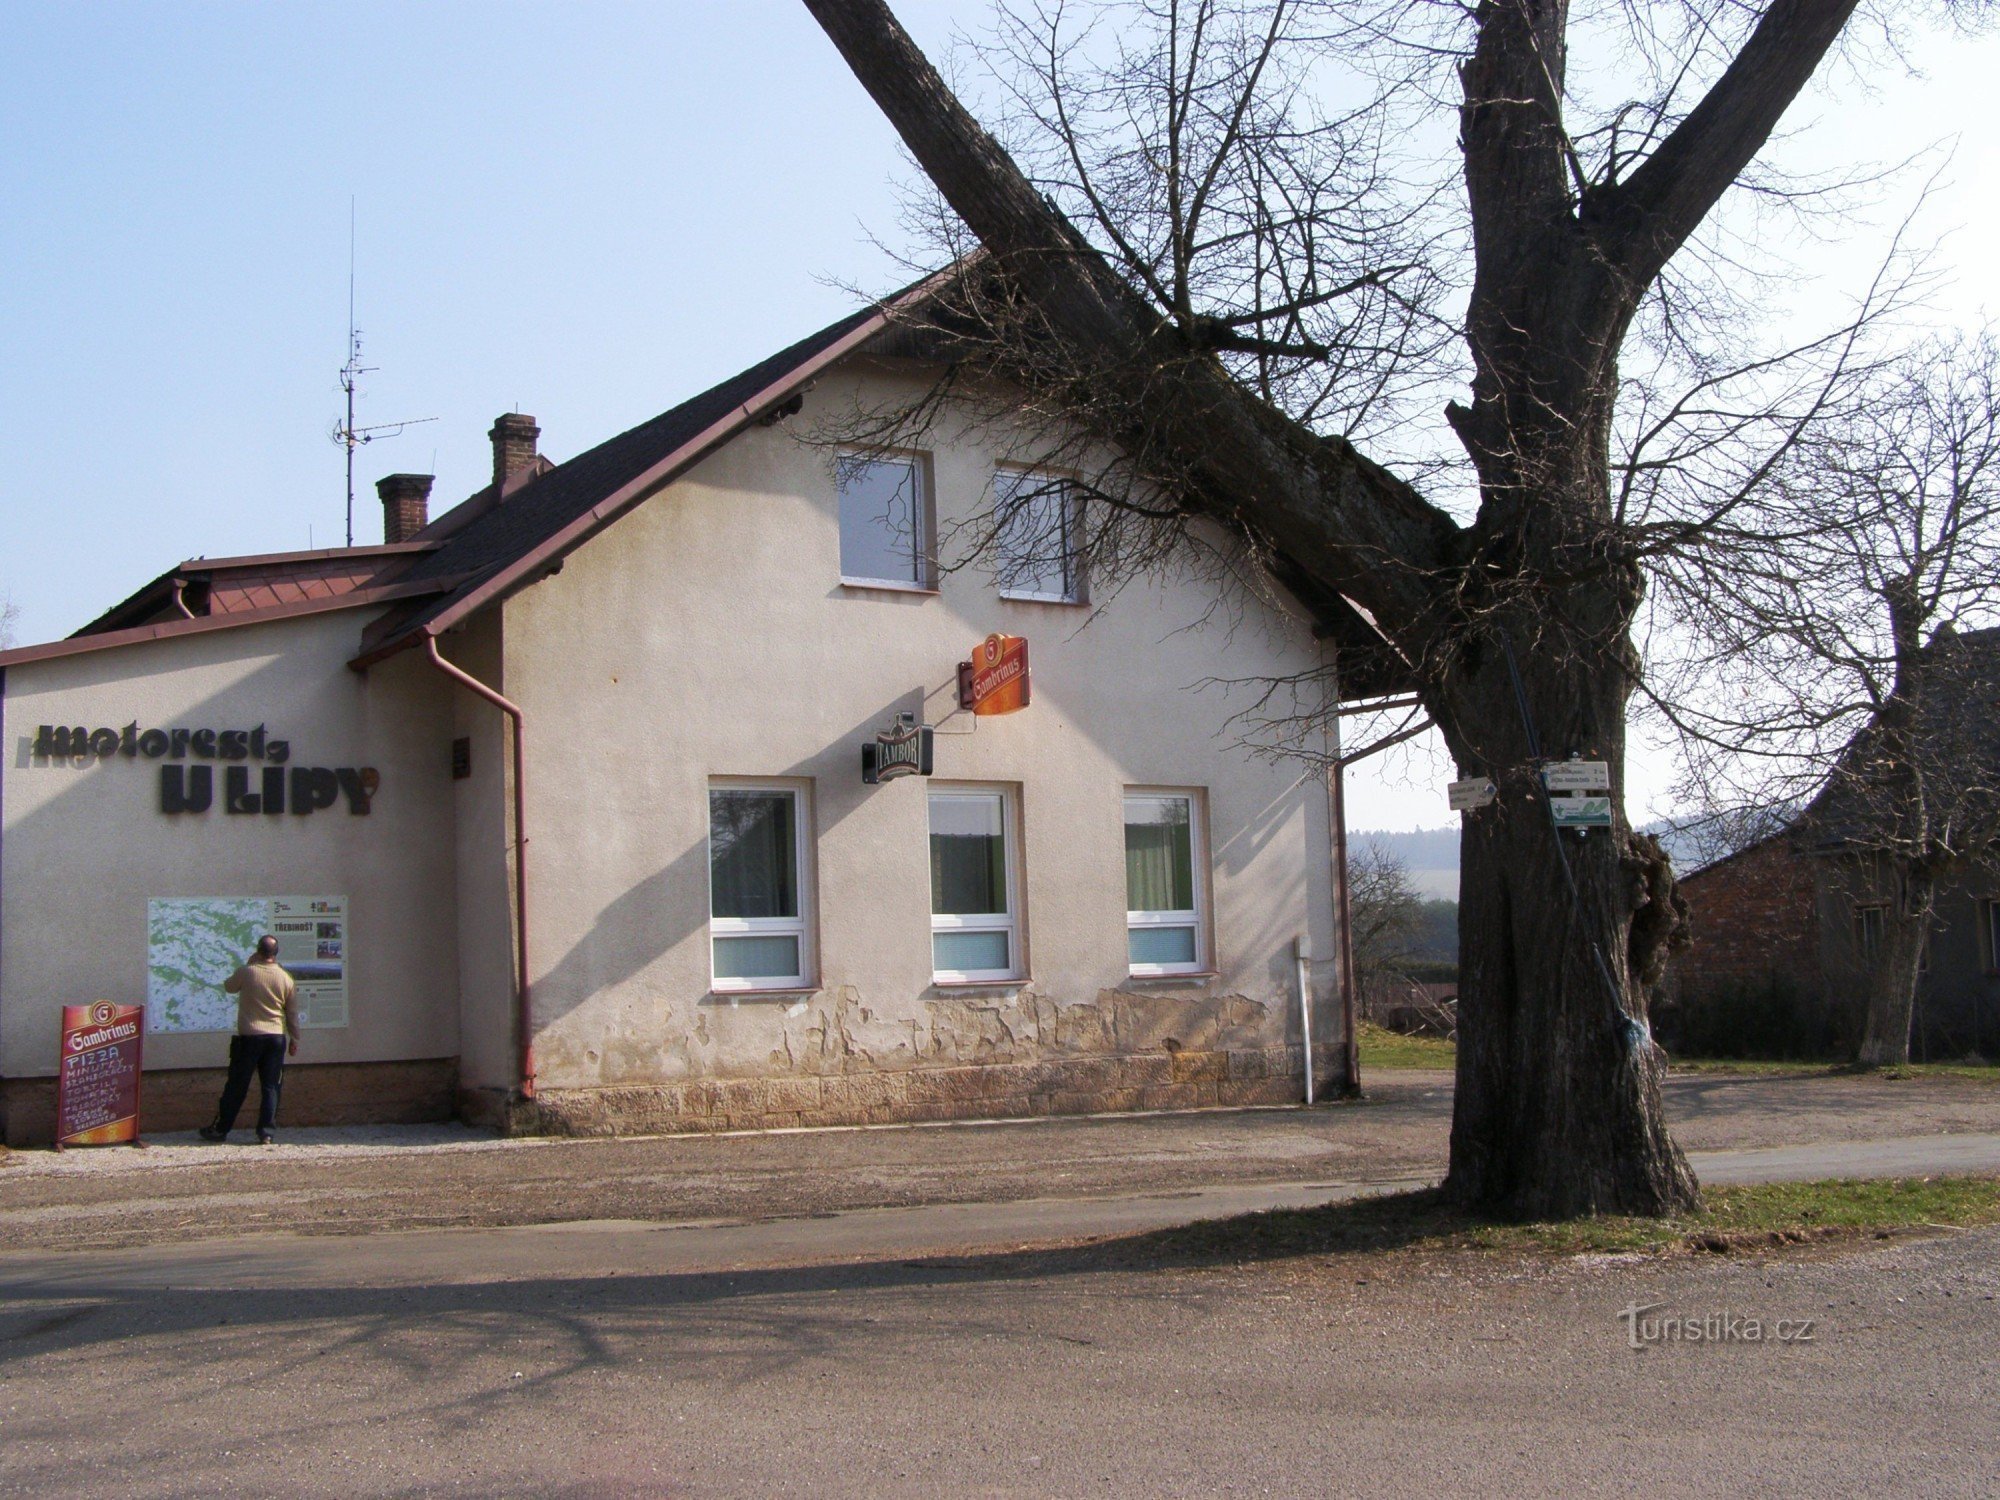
(1004,1374)
(869,1313)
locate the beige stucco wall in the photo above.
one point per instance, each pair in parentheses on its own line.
(85,846)
(484,849)
(707,634)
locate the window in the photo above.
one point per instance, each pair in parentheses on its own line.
(1037,523)
(1162,894)
(974,934)
(756,888)
(1868,929)
(884,521)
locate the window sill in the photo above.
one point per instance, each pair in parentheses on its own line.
(981,984)
(1190,976)
(1044,599)
(766,992)
(889,586)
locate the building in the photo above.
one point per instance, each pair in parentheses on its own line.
(1783,930)
(602,725)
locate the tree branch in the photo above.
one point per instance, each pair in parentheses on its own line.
(1356,528)
(1664,200)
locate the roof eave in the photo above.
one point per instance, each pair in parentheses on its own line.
(139,635)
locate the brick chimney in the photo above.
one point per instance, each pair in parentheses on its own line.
(406,505)
(513,449)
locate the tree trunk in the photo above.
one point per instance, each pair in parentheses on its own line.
(1892,976)
(1559,1108)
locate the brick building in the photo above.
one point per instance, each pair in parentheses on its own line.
(1783,931)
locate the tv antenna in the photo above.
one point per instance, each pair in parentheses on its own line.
(345,433)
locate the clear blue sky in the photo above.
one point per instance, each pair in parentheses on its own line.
(585,211)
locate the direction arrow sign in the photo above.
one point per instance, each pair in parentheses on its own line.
(1581,812)
(1577,776)
(1464,796)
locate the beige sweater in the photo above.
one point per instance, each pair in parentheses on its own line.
(265,998)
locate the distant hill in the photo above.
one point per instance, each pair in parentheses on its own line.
(1430,855)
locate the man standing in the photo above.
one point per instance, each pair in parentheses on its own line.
(267,1028)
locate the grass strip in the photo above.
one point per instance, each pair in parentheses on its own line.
(1981,1072)
(1734,1219)
(1382,1048)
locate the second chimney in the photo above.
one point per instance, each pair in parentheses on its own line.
(406,505)
(513,448)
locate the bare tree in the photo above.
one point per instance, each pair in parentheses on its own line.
(1839,645)
(1385,910)
(10,615)
(1195,301)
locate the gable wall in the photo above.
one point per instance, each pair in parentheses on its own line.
(707,634)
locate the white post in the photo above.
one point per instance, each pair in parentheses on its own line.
(1304,961)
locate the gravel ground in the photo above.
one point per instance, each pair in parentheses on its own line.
(354,1181)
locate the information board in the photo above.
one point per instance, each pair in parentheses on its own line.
(1577,776)
(193,944)
(97,1080)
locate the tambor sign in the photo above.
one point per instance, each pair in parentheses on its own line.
(995,681)
(97,1084)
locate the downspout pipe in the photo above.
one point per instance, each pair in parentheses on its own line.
(524,1020)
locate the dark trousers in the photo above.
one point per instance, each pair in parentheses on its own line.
(263,1056)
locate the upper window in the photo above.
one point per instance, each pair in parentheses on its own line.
(1037,525)
(1868,929)
(756,888)
(974,933)
(1163,921)
(884,521)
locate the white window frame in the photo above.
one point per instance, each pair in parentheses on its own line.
(1009,923)
(1196,919)
(800,926)
(923,579)
(1079,586)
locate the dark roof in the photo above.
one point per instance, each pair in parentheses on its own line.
(210,585)
(1957,737)
(509,545)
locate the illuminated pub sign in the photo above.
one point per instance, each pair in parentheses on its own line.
(187,769)
(995,681)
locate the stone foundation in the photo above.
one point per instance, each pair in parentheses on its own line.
(383,1093)
(1166,1080)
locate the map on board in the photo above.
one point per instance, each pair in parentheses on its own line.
(193,945)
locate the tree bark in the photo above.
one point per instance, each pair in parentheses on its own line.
(1558,1108)
(1893,971)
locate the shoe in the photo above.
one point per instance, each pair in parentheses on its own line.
(213,1133)
(264,1138)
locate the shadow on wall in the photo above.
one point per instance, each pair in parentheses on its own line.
(641,926)
(1775,1020)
